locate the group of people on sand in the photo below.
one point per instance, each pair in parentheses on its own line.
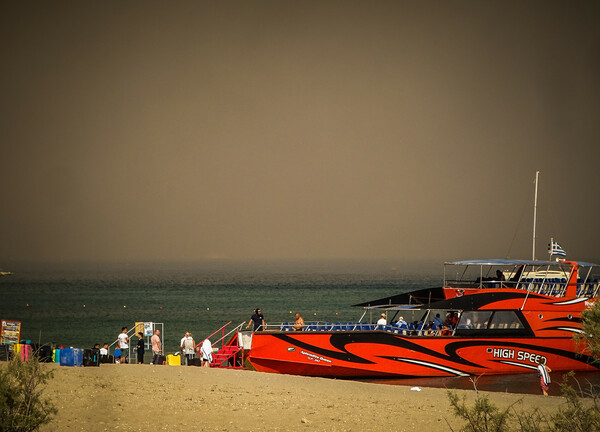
(187,349)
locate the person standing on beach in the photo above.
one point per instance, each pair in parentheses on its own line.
(156,347)
(258,320)
(123,340)
(187,348)
(206,352)
(141,349)
(543,372)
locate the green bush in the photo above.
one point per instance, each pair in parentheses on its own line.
(22,407)
(580,413)
(484,416)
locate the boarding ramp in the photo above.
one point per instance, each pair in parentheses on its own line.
(233,343)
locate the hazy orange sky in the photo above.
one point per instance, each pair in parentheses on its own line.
(298,130)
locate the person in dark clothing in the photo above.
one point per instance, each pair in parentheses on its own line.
(140,348)
(258,320)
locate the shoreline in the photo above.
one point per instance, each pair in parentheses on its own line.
(138,397)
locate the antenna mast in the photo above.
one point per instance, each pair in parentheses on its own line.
(537,173)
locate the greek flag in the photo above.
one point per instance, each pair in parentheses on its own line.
(556,249)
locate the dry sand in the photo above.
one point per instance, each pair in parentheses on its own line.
(177,398)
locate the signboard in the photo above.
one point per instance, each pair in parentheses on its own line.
(10,331)
(148,329)
(139,327)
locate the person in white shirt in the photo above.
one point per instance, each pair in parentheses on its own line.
(187,348)
(123,343)
(104,349)
(206,352)
(382,321)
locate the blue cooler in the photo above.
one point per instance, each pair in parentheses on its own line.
(71,357)
(67,357)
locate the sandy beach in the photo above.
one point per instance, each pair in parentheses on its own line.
(145,397)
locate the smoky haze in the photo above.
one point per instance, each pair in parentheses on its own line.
(298,130)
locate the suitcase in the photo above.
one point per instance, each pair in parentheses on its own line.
(91,357)
(108,358)
(4,352)
(67,357)
(71,357)
(78,356)
(162,360)
(45,354)
(56,355)
(197,362)
(25,352)
(173,360)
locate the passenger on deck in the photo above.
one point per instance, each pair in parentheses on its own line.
(401,322)
(258,320)
(437,322)
(299,323)
(500,276)
(382,321)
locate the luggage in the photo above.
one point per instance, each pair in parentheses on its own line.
(108,358)
(45,354)
(71,357)
(196,362)
(4,352)
(56,355)
(162,360)
(67,357)
(91,357)
(173,360)
(25,352)
(78,355)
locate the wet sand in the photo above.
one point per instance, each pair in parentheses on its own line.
(145,397)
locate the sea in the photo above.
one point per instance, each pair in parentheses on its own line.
(80,304)
(74,304)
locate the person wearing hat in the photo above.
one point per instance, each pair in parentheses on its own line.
(401,322)
(382,321)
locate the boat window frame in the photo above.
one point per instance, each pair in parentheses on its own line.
(522,330)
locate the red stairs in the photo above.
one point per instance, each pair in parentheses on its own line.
(226,358)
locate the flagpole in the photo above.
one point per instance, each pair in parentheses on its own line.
(551,247)
(537,173)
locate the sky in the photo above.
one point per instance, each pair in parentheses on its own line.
(298,130)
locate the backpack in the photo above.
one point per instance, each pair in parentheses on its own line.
(188,346)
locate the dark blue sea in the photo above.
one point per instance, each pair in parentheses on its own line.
(80,304)
(75,304)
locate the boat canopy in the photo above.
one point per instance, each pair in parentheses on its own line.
(496,262)
(410,299)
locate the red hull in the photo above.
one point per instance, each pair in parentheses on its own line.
(378,353)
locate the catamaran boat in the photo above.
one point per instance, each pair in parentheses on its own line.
(488,317)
